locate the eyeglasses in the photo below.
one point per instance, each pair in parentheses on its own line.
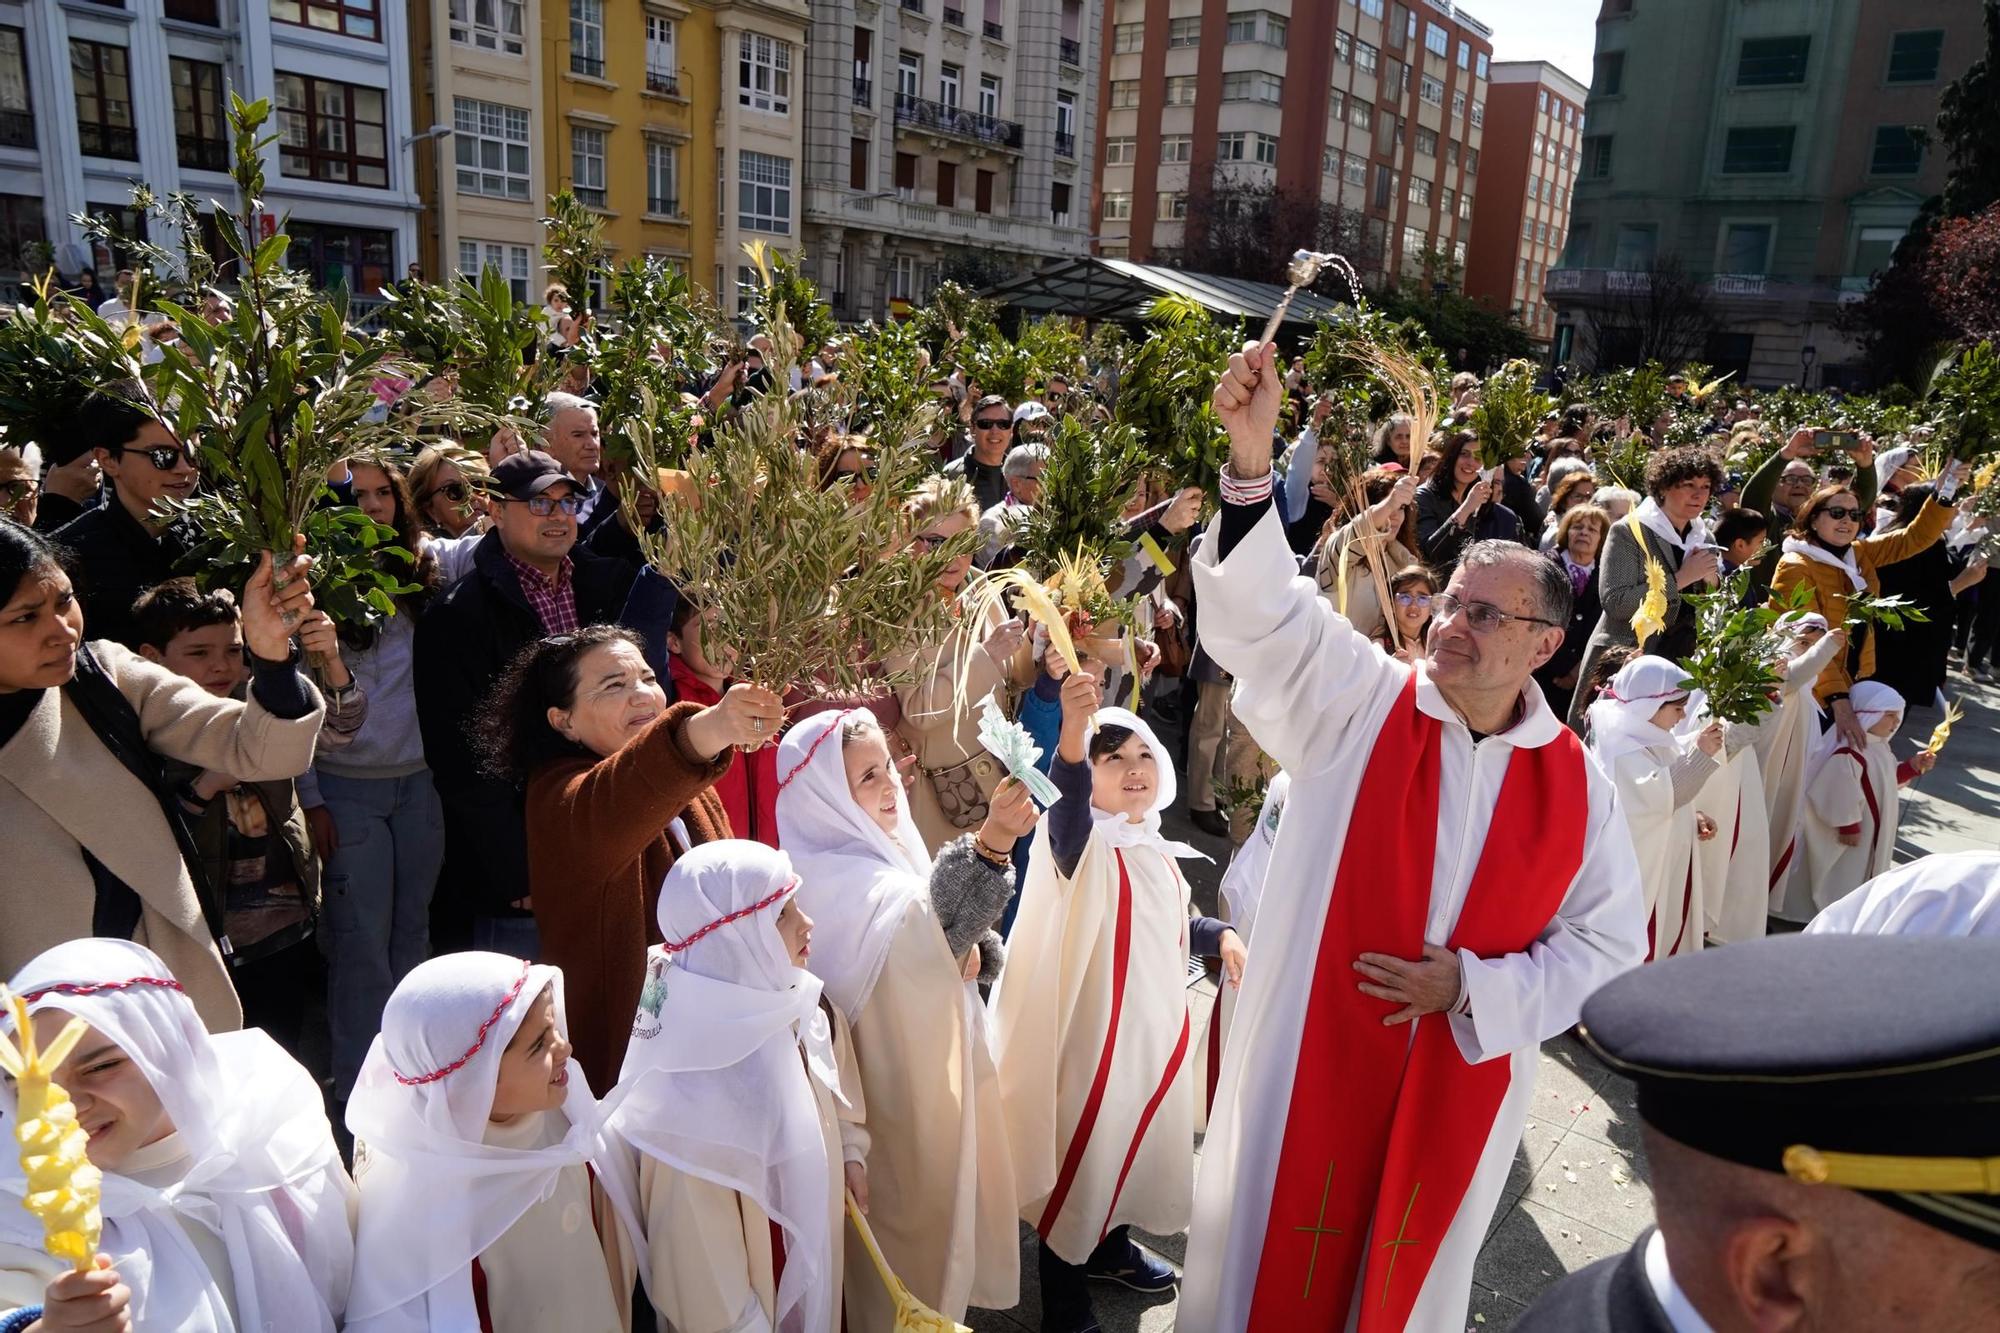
(13,492)
(541,506)
(455,491)
(866,472)
(994,423)
(1483,618)
(163,456)
(928,541)
(1838,513)
(1413,599)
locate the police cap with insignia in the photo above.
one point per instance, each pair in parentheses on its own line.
(1869,1062)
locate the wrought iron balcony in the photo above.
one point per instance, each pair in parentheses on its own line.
(954,17)
(667,207)
(997,31)
(1072,52)
(914,6)
(663,81)
(99,140)
(203,154)
(17,129)
(1065,144)
(590,197)
(956,121)
(864,92)
(588,66)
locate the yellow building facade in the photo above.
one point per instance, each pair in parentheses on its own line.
(679,121)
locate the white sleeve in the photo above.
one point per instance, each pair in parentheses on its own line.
(1302,672)
(1520,1000)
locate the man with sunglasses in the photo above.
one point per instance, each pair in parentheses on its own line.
(529,579)
(130,541)
(979,466)
(1457,879)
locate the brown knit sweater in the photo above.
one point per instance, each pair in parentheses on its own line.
(598,849)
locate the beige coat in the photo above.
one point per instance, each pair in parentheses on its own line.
(1364,608)
(944,737)
(62,793)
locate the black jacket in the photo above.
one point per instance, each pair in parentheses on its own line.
(1441,541)
(464,639)
(1517,493)
(1583,617)
(1610,1296)
(116,559)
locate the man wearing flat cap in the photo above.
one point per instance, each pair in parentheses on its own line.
(1822,1118)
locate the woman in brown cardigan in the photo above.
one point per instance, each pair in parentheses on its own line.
(618,784)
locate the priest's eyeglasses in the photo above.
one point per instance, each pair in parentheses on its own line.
(1483,618)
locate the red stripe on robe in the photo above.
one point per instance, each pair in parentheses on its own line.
(1385,1127)
(1784,862)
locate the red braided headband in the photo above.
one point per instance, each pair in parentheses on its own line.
(681,946)
(513,993)
(1618,698)
(98,987)
(818,741)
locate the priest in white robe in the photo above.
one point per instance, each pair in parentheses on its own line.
(1382,1059)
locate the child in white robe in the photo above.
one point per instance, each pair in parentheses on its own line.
(1849,833)
(1658,776)
(943,1205)
(1787,746)
(225,1204)
(1091,1015)
(492,1201)
(733,1096)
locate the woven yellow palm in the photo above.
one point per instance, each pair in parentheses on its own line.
(912,1315)
(1651,617)
(63,1187)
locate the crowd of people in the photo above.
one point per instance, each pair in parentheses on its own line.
(510,964)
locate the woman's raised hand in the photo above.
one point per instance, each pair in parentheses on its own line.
(748,717)
(276,602)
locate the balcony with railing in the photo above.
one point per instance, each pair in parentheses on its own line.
(203,154)
(996,31)
(1065,144)
(954,18)
(205,12)
(913,6)
(591,67)
(100,140)
(864,92)
(666,82)
(17,129)
(942,118)
(590,196)
(1072,52)
(664,206)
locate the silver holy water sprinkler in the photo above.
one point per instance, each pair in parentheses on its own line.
(1303,271)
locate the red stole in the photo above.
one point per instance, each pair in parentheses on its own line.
(1385,1129)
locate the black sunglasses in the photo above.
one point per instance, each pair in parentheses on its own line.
(163,456)
(1839,512)
(994,423)
(455,491)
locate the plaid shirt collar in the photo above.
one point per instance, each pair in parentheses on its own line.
(553,599)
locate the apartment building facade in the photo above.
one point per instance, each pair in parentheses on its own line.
(1373,106)
(1534,126)
(97,93)
(945,138)
(1776,151)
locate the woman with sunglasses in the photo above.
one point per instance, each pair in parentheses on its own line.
(1411,591)
(1826,560)
(448,486)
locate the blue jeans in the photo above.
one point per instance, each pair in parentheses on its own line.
(378,886)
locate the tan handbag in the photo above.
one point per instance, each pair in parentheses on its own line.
(960,794)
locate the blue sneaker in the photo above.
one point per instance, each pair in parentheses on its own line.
(1137,1268)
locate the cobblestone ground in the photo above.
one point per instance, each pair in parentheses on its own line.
(1580,1189)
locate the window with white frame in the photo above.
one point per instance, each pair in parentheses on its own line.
(1127,38)
(1479,113)
(1232,147)
(490,144)
(948,82)
(1124,93)
(1117,205)
(1173,205)
(1367,58)
(1431,90)
(1121,152)
(903,278)
(1180,147)
(1343,46)
(1181,90)
(586,164)
(1065,121)
(1277,29)
(764,74)
(1457,103)
(1252,85)
(1185,31)
(764,193)
(1413,242)
(1436,40)
(1362,113)
(1264,147)
(663,178)
(1354,169)
(586,37)
(1465,55)
(1427,142)
(509,261)
(989,102)
(746,290)
(1242,27)
(910,74)
(662,73)
(1420,191)
(489,25)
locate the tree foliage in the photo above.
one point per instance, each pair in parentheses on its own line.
(1165,391)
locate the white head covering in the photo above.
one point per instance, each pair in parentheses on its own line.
(262,1163)
(712,1083)
(856,882)
(1872,701)
(1888,461)
(434,1193)
(1621,718)
(1951,893)
(1117,830)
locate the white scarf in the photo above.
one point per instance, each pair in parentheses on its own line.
(1117,830)
(712,1084)
(262,1164)
(1844,562)
(1655,520)
(856,882)
(1621,718)
(435,1194)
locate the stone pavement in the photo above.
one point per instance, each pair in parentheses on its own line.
(1580,1187)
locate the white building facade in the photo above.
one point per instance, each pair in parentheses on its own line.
(97,94)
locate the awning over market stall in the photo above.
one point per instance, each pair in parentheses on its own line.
(1117,289)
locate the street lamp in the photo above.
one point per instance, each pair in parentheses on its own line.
(1807,355)
(434,132)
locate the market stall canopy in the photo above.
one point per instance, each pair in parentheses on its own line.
(1117,289)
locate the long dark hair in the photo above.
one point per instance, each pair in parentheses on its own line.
(1909,503)
(409,536)
(1446,478)
(510,732)
(22,552)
